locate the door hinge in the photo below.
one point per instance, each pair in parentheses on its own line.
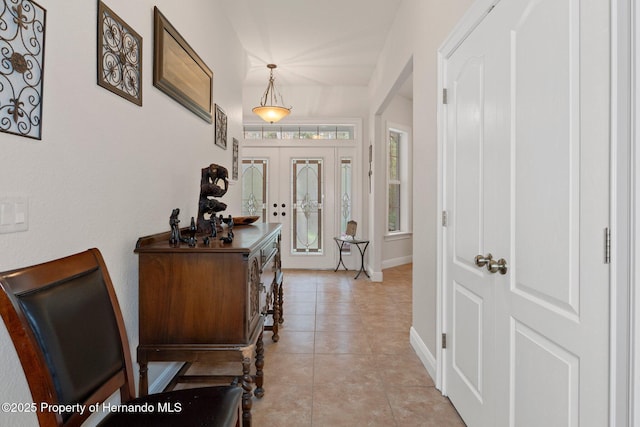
(607,246)
(444,96)
(445,219)
(444,340)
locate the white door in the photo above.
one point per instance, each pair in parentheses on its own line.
(527,161)
(471,290)
(301,195)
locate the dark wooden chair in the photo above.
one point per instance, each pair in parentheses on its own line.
(65,322)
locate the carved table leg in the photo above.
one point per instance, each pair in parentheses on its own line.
(259,391)
(276,312)
(280,318)
(247,380)
(144,382)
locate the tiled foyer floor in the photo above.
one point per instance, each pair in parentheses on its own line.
(344,357)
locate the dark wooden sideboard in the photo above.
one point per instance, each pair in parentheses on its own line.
(208,303)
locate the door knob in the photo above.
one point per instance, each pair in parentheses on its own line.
(482,260)
(494,266)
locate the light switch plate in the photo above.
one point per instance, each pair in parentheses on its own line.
(14,214)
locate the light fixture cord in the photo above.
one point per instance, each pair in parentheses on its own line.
(271,93)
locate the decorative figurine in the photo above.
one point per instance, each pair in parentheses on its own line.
(192,233)
(230,226)
(209,188)
(213,221)
(174,239)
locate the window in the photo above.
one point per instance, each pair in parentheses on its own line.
(339,132)
(398,185)
(394,184)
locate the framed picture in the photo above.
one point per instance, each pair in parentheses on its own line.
(179,72)
(119,56)
(221,127)
(22,67)
(234,166)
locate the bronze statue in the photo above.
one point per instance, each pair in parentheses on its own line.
(174,222)
(209,188)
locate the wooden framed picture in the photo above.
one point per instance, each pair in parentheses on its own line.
(179,72)
(119,56)
(221,127)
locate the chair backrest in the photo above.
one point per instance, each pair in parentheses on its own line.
(352,226)
(65,322)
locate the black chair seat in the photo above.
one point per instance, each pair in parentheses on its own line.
(208,406)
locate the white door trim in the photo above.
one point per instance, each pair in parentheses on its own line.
(626,11)
(625,184)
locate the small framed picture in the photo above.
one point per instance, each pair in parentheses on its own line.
(221,127)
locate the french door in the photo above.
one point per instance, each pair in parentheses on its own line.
(299,191)
(527,194)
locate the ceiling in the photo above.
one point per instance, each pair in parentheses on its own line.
(313,42)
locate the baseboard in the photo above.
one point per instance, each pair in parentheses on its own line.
(421,349)
(375,276)
(394,262)
(165,377)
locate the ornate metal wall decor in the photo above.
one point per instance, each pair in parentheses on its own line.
(235,166)
(119,56)
(221,127)
(22,31)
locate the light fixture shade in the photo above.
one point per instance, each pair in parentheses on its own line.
(271,113)
(269,110)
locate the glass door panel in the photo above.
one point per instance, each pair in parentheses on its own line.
(254,188)
(307,206)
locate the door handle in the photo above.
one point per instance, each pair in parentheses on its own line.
(497,266)
(482,260)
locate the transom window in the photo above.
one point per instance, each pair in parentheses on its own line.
(335,132)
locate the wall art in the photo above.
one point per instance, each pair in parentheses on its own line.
(119,56)
(22,33)
(234,166)
(221,127)
(179,72)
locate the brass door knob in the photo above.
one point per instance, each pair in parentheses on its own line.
(482,260)
(497,266)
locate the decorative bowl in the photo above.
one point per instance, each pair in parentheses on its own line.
(245,220)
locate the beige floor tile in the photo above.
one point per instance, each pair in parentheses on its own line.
(397,370)
(291,342)
(338,369)
(350,405)
(298,323)
(338,323)
(283,405)
(342,343)
(422,406)
(344,308)
(288,368)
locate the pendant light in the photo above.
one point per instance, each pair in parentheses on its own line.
(269,110)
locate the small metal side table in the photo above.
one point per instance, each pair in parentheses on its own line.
(362,247)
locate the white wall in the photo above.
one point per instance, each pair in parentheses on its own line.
(420,27)
(107,171)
